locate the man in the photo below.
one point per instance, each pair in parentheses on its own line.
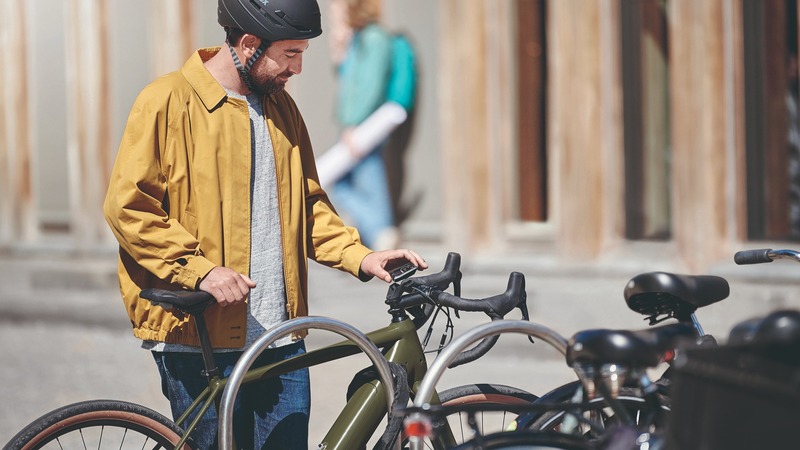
(215,188)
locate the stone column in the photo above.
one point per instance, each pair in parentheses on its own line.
(174,37)
(18,223)
(585,125)
(89,146)
(476,79)
(701,72)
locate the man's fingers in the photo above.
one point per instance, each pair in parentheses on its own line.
(419,260)
(226,285)
(248,281)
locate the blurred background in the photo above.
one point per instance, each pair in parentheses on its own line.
(577,141)
(596,131)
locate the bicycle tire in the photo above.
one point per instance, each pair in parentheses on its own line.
(99,424)
(628,397)
(481,394)
(526,440)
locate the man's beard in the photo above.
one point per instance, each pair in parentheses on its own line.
(269,85)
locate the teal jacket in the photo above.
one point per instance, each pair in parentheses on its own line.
(364,75)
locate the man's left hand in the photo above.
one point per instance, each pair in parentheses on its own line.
(375,263)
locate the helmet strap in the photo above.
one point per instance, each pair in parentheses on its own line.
(244,70)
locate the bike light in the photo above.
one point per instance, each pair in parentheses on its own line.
(417,426)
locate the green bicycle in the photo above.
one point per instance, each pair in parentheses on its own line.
(116,424)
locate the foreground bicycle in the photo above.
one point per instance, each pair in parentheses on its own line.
(604,361)
(103,424)
(659,296)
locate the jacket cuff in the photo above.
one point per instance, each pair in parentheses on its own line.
(192,270)
(353,258)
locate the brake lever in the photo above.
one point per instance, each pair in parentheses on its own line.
(457,291)
(523,307)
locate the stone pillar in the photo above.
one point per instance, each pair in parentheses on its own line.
(702,135)
(478,118)
(89,147)
(174,37)
(585,125)
(18,222)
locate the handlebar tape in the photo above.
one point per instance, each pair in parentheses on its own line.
(475,352)
(757,256)
(441,280)
(495,307)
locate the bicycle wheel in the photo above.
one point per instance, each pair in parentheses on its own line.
(482,394)
(599,413)
(99,424)
(526,440)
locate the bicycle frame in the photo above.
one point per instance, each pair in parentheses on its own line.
(364,411)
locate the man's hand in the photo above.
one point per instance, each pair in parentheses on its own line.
(375,263)
(226,285)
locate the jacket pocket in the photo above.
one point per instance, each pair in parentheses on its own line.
(189,221)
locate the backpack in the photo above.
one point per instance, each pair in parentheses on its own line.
(403,79)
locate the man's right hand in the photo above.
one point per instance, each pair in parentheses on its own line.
(226,285)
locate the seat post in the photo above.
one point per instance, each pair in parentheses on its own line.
(211,369)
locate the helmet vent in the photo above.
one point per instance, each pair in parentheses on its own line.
(265,13)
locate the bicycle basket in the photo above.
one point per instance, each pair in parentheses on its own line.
(733,398)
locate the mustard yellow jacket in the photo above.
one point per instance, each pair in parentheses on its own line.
(178,201)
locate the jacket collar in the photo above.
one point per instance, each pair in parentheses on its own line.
(211,93)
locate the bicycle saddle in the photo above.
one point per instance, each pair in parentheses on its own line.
(777,328)
(636,349)
(661,293)
(192,302)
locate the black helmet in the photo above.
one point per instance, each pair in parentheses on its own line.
(272,20)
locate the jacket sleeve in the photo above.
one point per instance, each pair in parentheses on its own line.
(331,242)
(136,205)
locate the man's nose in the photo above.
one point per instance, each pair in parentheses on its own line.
(296,65)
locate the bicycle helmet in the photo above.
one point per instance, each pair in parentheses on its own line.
(272,20)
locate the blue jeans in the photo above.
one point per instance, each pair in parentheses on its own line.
(363,194)
(271,413)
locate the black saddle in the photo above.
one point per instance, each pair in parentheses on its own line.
(635,349)
(192,302)
(661,295)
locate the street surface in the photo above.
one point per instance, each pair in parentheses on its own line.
(65,338)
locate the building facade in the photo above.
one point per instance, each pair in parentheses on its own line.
(577,129)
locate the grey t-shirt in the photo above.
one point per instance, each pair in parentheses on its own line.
(267,302)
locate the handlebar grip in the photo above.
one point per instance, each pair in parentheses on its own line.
(757,256)
(441,280)
(495,306)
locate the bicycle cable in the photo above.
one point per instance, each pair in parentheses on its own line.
(449,331)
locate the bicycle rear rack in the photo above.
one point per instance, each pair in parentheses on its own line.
(278,331)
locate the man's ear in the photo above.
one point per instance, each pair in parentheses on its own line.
(249,44)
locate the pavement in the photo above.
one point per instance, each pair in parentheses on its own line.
(64,336)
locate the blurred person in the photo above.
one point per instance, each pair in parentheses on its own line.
(215,188)
(375,93)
